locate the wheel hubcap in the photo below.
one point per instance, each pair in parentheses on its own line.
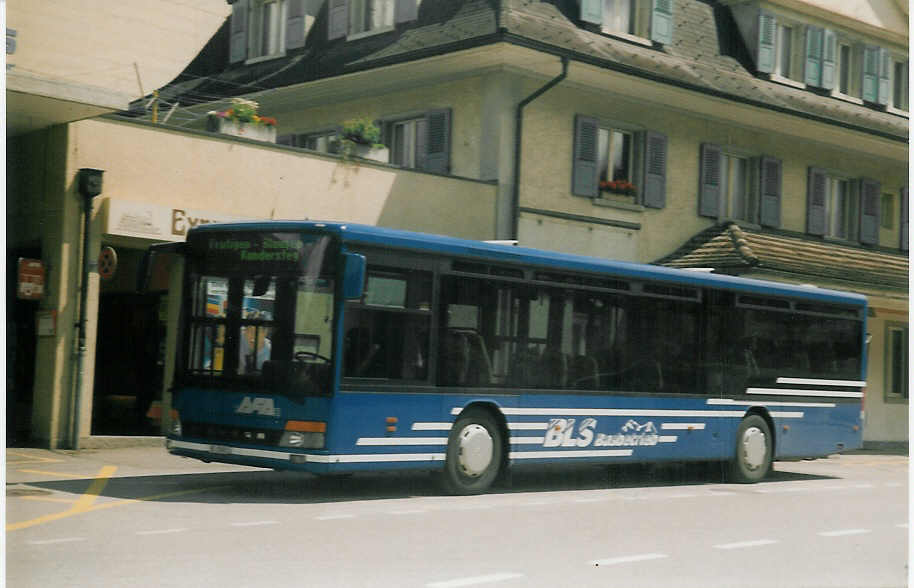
(476,450)
(754,448)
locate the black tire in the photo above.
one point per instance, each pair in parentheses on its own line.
(752,453)
(474,454)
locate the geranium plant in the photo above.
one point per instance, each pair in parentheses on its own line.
(245,111)
(618,187)
(358,131)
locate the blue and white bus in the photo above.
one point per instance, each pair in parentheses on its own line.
(335,348)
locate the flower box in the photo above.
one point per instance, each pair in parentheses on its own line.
(249,130)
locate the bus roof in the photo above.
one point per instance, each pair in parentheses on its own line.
(499,252)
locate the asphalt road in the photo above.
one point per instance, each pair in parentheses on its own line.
(140,517)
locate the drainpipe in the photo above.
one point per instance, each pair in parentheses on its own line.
(518,134)
(90,186)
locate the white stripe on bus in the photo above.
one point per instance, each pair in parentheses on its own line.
(682,426)
(313,458)
(815,382)
(528,426)
(570,453)
(621,412)
(432,426)
(796,392)
(376,441)
(528,440)
(731,402)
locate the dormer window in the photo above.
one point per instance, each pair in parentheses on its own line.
(370,15)
(267,29)
(641,19)
(357,18)
(263,29)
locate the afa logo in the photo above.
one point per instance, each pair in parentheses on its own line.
(261,406)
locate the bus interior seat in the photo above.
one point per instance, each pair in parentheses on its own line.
(555,368)
(525,367)
(456,358)
(584,373)
(479,370)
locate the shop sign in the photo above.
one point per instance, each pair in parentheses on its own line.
(31,279)
(151,221)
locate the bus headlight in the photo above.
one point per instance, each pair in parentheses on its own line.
(304,434)
(302,440)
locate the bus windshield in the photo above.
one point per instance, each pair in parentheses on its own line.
(260,310)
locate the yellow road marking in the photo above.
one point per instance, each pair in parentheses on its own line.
(48,499)
(95,488)
(76,511)
(30,458)
(44,473)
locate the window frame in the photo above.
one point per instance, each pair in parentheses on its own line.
(354,5)
(635,148)
(852,197)
(889,395)
(899,105)
(256,52)
(854,72)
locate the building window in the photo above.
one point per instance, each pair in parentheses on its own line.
(841,208)
(614,158)
(370,15)
(407,142)
(896,360)
(738,194)
(323,141)
(267,30)
(628,17)
(848,71)
(887,216)
(900,85)
(785,51)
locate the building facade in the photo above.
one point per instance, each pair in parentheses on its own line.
(626,129)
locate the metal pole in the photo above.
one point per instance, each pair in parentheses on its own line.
(81,324)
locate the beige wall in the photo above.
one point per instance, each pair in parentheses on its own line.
(547,167)
(886,418)
(463,97)
(251,180)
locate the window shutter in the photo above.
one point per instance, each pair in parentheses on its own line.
(829,59)
(592,11)
(337,18)
(815,202)
(584,167)
(904,218)
(655,148)
(885,66)
(813,69)
(238,45)
(869,211)
(438,141)
(709,182)
(662,21)
(406,10)
(767,35)
(870,88)
(295,24)
(770,190)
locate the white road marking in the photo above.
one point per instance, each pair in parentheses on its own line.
(902,525)
(745,544)
(844,532)
(475,580)
(409,511)
(160,532)
(627,559)
(53,541)
(255,523)
(333,517)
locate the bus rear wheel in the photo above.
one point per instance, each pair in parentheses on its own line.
(752,459)
(474,454)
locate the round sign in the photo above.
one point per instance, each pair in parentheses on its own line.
(107,263)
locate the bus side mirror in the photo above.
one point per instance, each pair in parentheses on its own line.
(353,276)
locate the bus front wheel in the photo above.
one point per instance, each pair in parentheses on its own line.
(474,454)
(752,460)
